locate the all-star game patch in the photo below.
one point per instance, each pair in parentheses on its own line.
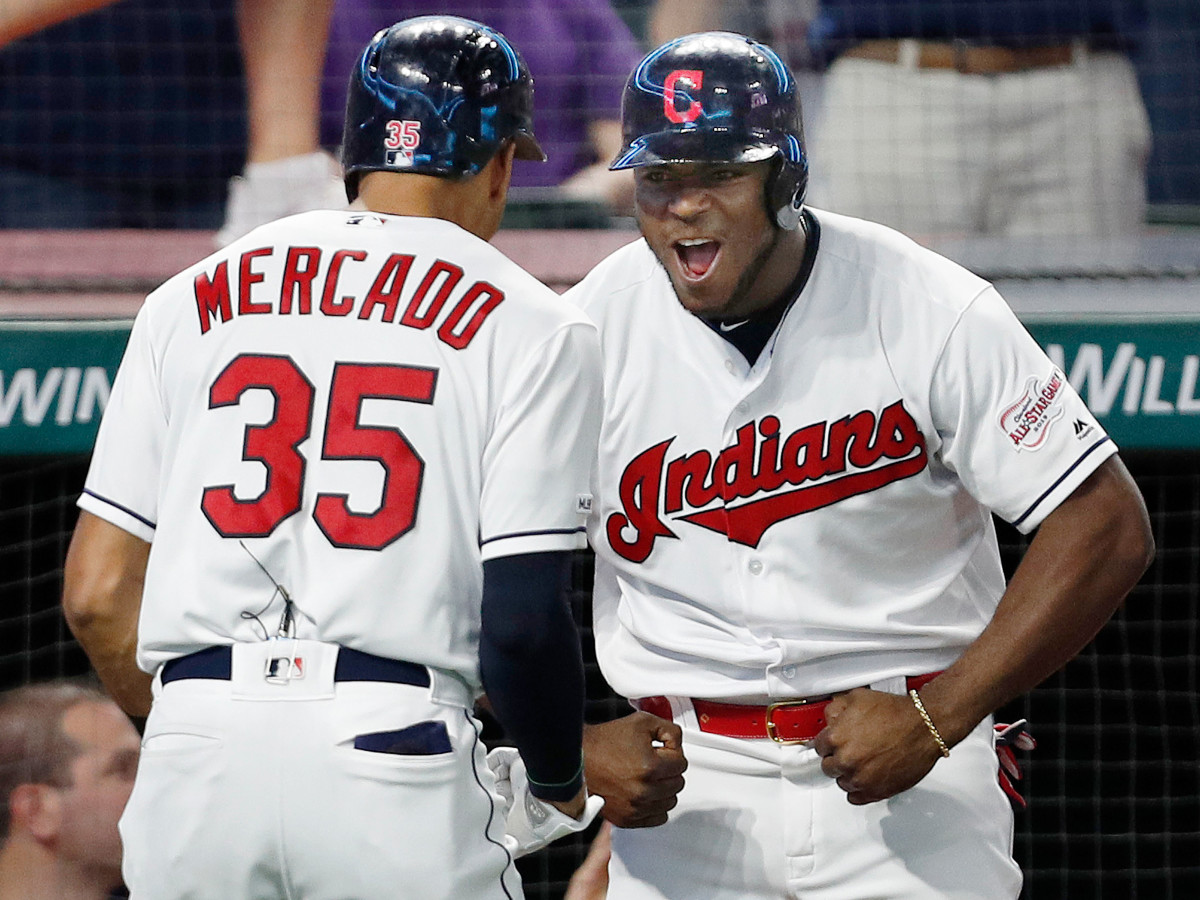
(1027,421)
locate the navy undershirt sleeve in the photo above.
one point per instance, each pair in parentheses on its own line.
(532,667)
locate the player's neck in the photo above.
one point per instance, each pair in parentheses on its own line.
(29,872)
(777,273)
(475,203)
(438,203)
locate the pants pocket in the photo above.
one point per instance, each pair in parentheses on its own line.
(421,739)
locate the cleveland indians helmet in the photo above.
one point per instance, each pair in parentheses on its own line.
(718,97)
(436,95)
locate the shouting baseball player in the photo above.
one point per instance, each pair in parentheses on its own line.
(334,494)
(809,422)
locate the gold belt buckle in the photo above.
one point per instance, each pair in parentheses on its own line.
(771,733)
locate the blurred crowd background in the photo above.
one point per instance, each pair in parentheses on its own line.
(135,114)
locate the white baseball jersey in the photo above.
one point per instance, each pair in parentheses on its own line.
(821,519)
(359,408)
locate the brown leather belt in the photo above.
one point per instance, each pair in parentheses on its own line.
(966,58)
(786,722)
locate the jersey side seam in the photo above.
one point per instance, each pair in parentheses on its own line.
(941,353)
(535,358)
(596,275)
(155,357)
(937,360)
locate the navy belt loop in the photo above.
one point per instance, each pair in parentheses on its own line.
(215,663)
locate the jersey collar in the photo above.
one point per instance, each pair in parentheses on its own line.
(750,336)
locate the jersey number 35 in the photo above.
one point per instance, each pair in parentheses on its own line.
(276,445)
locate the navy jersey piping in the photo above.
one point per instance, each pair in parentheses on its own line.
(491,809)
(520,534)
(1075,465)
(124,509)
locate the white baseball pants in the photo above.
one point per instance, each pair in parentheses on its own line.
(932,152)
(251,789)
(760,821)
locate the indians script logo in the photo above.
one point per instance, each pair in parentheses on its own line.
(763,478)
(1028,420)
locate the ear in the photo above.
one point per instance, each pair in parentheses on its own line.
(37,810)
(500,172)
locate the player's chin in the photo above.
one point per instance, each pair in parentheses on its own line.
(702,300)
(858,798)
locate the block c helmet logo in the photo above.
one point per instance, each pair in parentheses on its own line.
(691,78)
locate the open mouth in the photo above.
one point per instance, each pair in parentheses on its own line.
(696,257)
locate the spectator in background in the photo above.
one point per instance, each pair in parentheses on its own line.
(128,117)
(952,117)
(283,50)
(783,24)
(150,135)
(149,138)
(67,761)
(590,880)
(580,53)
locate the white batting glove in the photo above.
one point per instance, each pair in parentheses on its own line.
(529,823)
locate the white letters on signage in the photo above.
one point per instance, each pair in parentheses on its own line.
(82,395)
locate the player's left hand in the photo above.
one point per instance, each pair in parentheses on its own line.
(875,745)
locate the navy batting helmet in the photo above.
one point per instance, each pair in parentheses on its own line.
(436,95)
(718,97)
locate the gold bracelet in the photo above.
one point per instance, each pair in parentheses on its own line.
(916,699)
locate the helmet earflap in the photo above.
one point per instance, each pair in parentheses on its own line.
(786,187)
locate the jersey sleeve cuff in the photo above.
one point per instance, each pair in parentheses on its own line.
(533,542)
(1074,476)
(116,514)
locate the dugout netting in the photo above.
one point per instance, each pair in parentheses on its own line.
(150,138)
(1113,787)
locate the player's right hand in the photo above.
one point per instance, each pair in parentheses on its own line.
(636,764)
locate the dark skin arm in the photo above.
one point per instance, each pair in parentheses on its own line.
(102,598)
(638,780)
(1085,558)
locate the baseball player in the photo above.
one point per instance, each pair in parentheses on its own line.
(809,422)
(334,495)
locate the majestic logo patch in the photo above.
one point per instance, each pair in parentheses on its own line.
(832,461)
(1027,421)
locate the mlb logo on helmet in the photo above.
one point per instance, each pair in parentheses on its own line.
(402,138)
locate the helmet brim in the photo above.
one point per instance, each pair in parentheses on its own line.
(528,147)
(695,146)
